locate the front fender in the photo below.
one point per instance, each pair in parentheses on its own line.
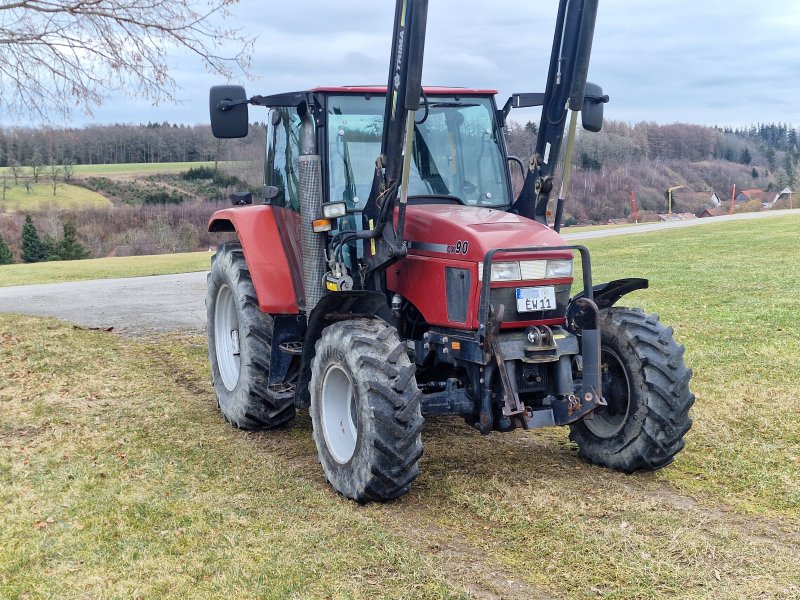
(333,307)
(607,294)
(260,235)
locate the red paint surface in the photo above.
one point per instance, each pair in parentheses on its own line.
(420,277)
(265,255)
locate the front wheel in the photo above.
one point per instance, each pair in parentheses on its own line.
(646,386)
(365,409)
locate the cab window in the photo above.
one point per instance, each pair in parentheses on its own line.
(283,154)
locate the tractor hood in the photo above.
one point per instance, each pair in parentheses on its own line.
(469,232)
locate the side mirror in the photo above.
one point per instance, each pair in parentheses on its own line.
(228,107)
(592,111)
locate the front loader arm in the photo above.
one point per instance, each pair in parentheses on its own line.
(402,100)
(566,84)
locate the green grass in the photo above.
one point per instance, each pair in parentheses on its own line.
(118,477)
(41,197)
(730,291)
(129,168)
(103,268)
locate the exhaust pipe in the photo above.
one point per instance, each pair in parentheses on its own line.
(310,208)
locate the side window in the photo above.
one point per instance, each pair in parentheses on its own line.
(283,153)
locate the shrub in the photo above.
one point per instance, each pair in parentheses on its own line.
(6,258)
(33,248)
(70,248)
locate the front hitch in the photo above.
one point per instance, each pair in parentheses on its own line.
(583,318)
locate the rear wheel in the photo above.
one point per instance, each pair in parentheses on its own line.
(365,409)
(239,338)
(646,386)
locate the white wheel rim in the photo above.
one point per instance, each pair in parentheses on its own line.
(338,414)
(226,337)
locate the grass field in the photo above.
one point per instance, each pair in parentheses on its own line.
(118,477)
(103,268)
(41,197)
(131,168)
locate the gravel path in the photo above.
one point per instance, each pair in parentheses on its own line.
(136,305)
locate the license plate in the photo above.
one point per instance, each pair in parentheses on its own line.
(536,298)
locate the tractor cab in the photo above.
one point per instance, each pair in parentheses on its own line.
(458,151)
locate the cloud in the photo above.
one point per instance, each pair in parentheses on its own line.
(710,61)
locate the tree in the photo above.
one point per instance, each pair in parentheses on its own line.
(36,167)
(6,258)
(74,53)
(16,171)
(70,248)
(55,173)
(745,158)
(69,169)
(770,154)
(32,248)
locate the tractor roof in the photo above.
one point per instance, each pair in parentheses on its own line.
(381,89)
(294,98)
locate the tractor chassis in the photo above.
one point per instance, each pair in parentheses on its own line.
(490,353)
(487,355)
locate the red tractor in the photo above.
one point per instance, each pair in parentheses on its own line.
(389,274)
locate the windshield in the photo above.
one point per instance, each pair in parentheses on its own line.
(456,150)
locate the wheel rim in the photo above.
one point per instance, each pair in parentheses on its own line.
(226,337)
(610,420)
(338,414)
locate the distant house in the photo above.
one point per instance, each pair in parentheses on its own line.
(759,195)
(785,194)
(714,200)
(711,212)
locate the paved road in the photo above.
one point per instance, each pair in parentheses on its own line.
(648,227)
(136,305)
(146,305)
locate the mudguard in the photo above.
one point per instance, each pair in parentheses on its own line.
(333,307)
(607,294)
(265,254)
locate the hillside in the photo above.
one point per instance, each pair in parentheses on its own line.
(40,196)
(647,158)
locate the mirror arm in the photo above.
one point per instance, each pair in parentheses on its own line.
(598,99)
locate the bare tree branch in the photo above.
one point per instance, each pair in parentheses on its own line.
(61,55)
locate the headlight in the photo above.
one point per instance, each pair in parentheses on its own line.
(558,268)
(533,269)
(334,210)
(506,271)
(502,271)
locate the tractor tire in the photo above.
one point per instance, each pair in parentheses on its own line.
(239,338)
(365,410)
(646,386)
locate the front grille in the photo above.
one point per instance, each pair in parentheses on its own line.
(508,297)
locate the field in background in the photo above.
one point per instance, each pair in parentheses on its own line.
(103,268)
(41,197)
(119,478)
(128,169)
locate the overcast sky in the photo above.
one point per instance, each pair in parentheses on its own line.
(726,62)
